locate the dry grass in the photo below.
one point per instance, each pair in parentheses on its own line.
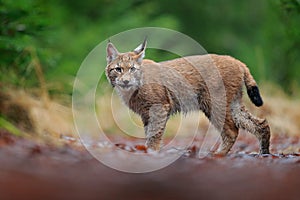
(34,115)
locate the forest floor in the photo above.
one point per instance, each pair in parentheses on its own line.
(36,170)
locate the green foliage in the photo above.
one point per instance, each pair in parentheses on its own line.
(10,127)
(263,34)
(23,27)
(290,17)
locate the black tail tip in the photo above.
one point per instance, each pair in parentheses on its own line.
(253,93)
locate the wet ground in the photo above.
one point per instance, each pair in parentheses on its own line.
(33,170)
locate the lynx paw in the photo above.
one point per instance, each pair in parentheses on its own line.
(264,151)
(153,143)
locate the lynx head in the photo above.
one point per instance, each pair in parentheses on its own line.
(123,70)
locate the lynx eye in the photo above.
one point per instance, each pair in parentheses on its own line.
(132,69)
(118,69)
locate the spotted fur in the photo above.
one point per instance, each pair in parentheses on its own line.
(157,90)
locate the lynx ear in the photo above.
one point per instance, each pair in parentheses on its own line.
(140,51)
(111,52)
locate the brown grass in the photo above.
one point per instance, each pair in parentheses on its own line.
(34,116)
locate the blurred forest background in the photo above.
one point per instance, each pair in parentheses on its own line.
(57,35)
(42,43)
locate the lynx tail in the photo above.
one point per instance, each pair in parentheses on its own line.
(252,89)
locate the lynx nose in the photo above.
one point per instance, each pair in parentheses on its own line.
(126,82)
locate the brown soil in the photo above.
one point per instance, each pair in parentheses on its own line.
(32,170)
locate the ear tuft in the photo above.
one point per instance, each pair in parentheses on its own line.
(140,51)
(111,52)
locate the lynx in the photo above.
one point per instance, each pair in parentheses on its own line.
(156,91)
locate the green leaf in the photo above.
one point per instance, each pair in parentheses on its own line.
(10,127)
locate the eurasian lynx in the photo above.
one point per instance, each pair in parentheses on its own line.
(157,90)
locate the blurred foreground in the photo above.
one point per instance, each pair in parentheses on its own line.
(30,170)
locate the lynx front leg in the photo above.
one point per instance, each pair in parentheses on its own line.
(154,123)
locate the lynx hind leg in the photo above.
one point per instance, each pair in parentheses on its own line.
(259,127)
(228,136)
(154,124)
